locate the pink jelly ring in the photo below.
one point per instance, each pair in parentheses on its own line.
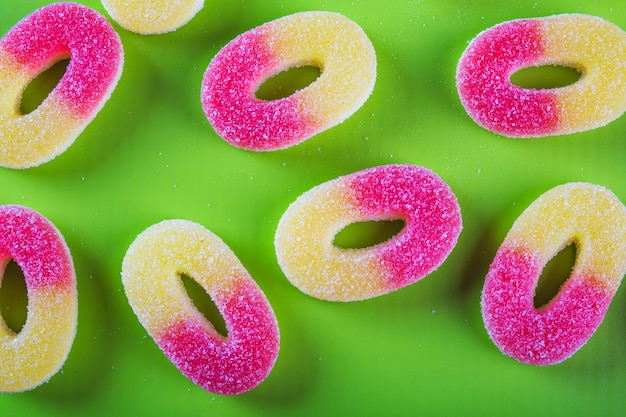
(592,218)
(330,41)
(47,36)
(591,45)
(151,272)
(305,234)
(30,357)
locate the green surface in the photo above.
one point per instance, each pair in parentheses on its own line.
(151,155)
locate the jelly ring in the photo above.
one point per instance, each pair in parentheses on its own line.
(49,35)
(591,45)
(30,357)
(329,41)
(306,231)
(149,17)
(151,274)
(593,219)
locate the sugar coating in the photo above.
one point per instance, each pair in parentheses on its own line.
(151,273)
(50,34)
(589,44)
(236,365)
(149,17)
(598,53)
(32,356)
(485,89)
(592,218)
(306,231)
(330,41)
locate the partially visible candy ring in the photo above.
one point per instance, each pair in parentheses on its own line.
(30,357)
(305,233)
(593,219)
(151,274)
(591,45)
(49,35)
(149,17)
(330,41)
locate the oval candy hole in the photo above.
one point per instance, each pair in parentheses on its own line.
(554,275)
(205,304)
(39,88)
(545,77)
(287,82)
(13,297)
(359,235)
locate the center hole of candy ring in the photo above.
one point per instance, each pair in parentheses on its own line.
(545,77)
(40,87)
(287,82)
(554,275)
(204,303)
(13,297)
(359,235)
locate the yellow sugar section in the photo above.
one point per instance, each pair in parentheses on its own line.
(307,255)
(13,81)
(31,139)
(38,351)
(152,16)
(342,51)
(596,48)
(37,137)
(155,261)
(588,215)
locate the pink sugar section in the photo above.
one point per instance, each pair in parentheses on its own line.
(36,246)
(547,335)
(229,102)
(483,81)
(427,205)
(229,365)
(69,30)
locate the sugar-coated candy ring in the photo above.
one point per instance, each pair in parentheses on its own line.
(593,219)
(30,357)
(151,276)
(591,45)
(51,34)
(305,233)
(330,41)
(149,17)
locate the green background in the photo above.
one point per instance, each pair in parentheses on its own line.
(151,155)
